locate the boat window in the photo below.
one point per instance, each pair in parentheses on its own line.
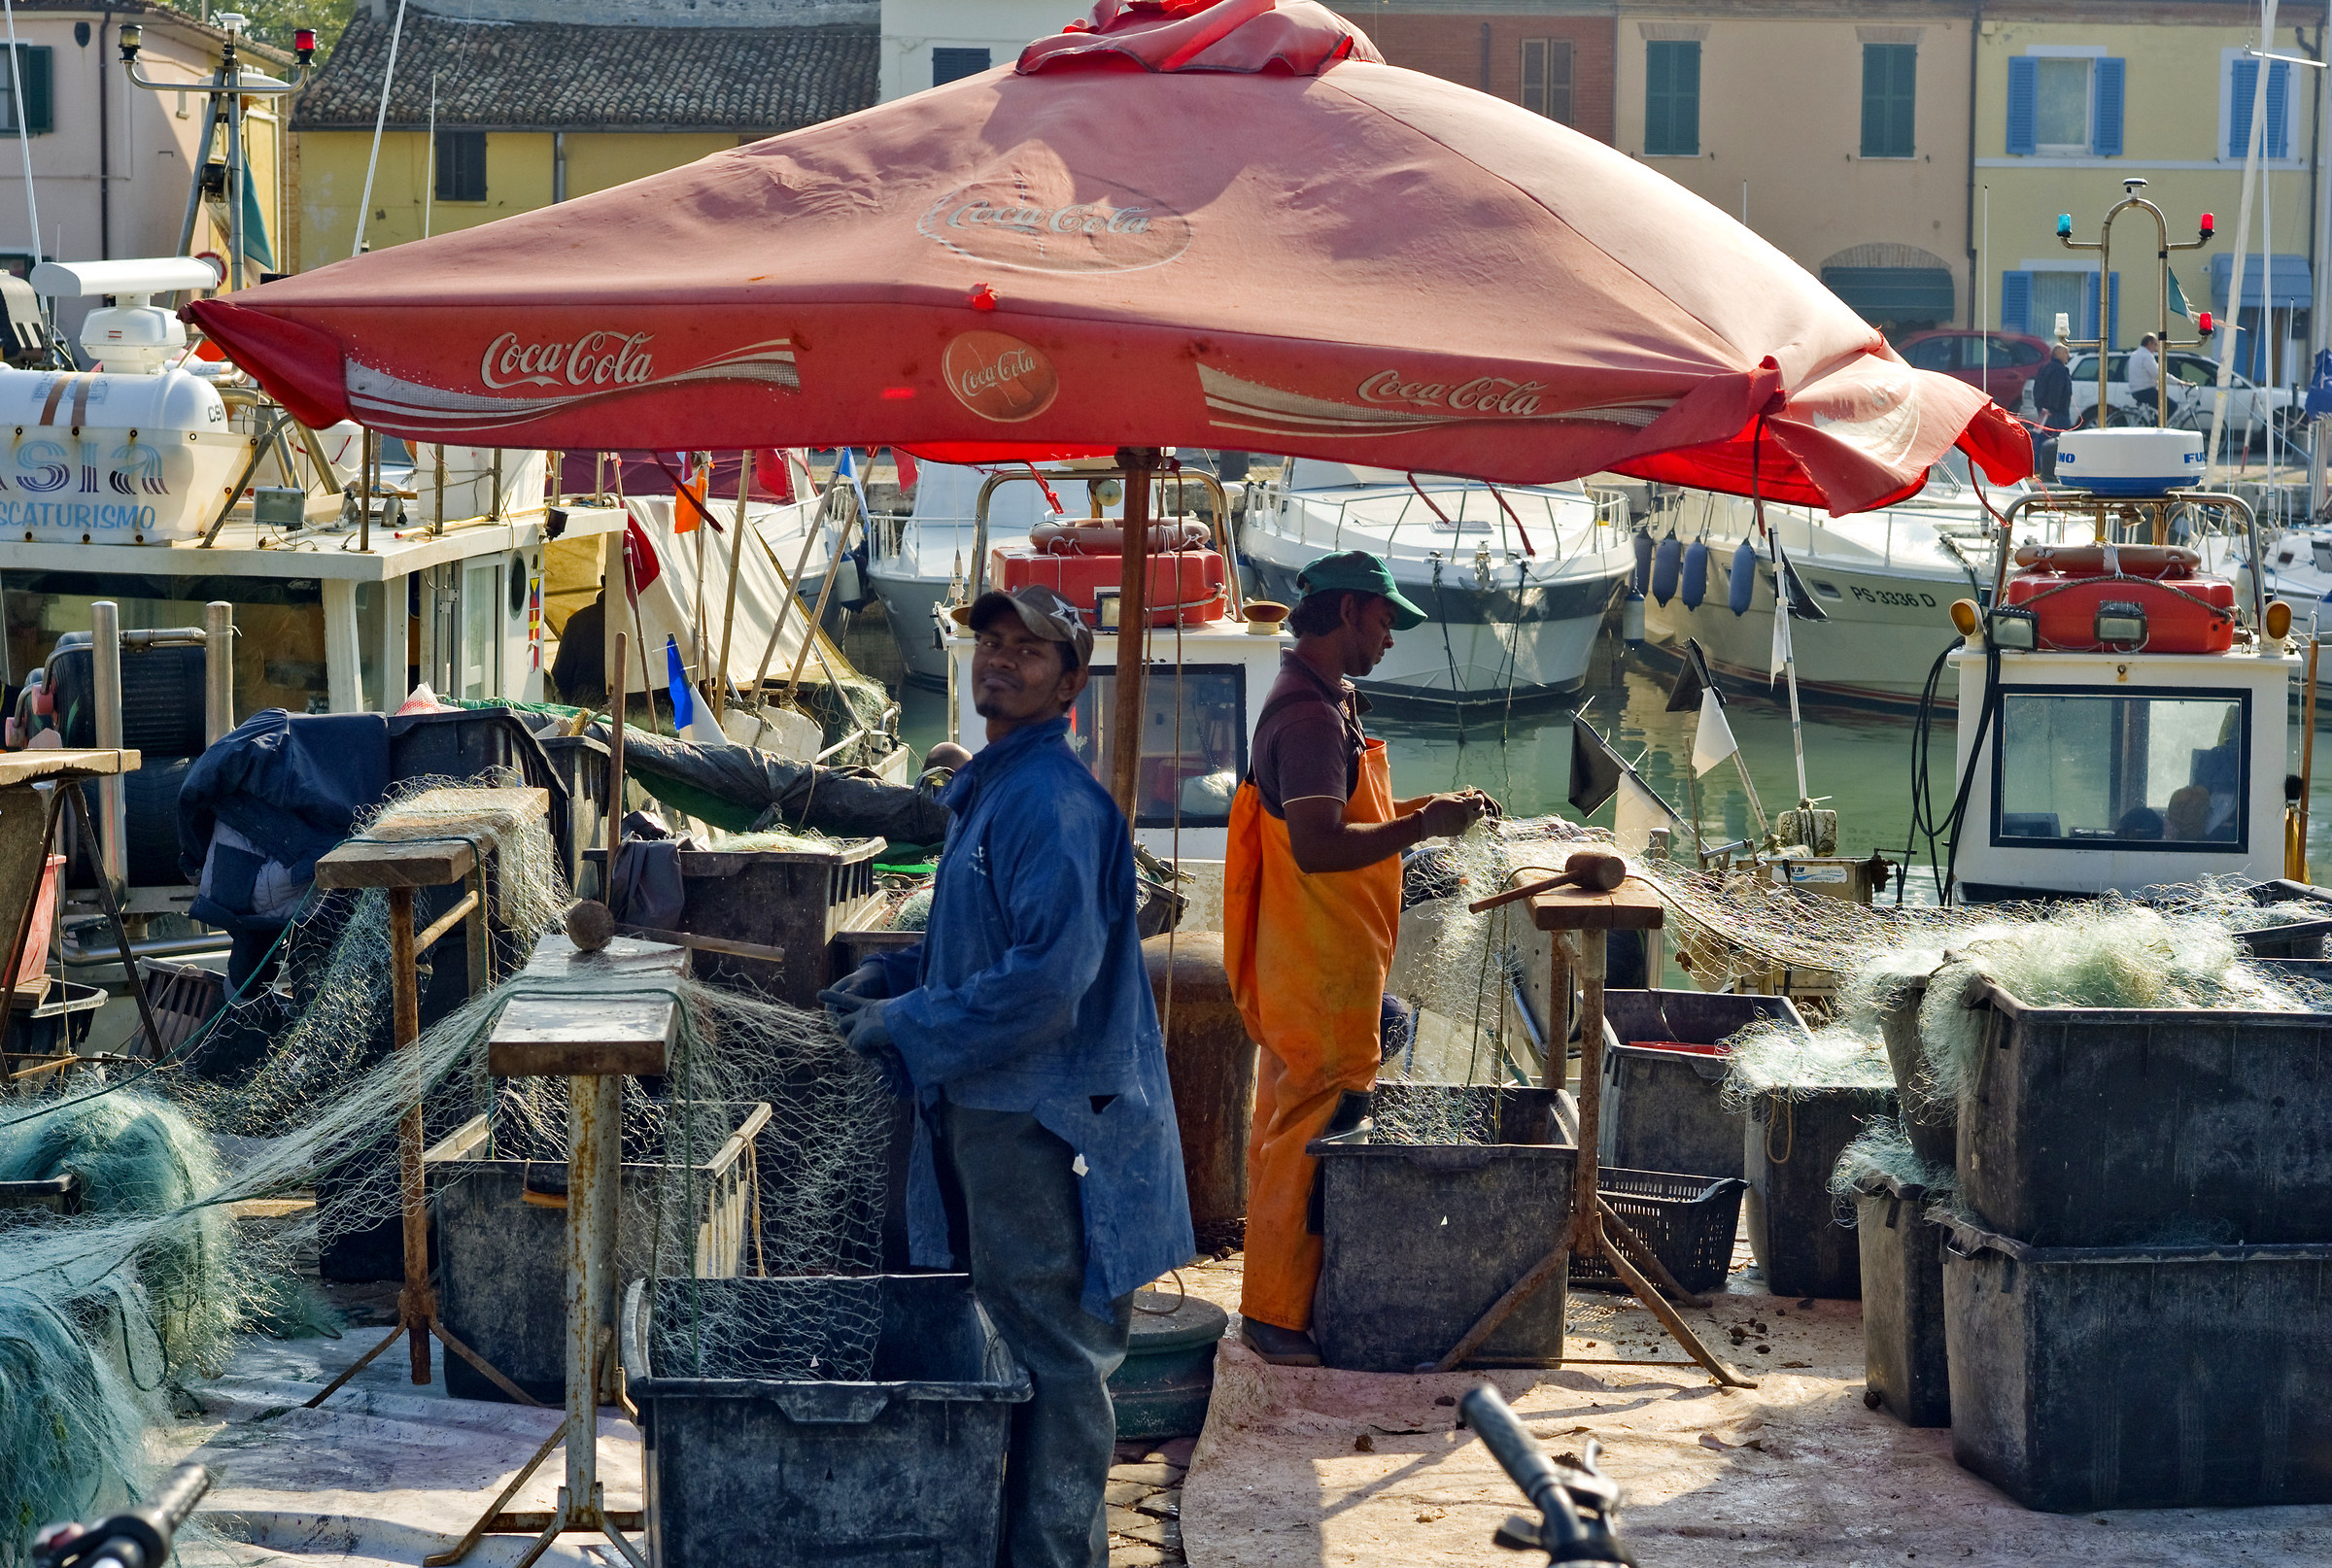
(278,622)
(2089,770)
(1203,772)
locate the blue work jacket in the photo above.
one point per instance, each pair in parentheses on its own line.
(1028,993)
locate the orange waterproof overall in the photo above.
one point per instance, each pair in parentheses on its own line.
(1308,954)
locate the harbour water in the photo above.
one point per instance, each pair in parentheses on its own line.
(1858,761)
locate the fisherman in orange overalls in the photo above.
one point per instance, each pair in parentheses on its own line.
(1312,901)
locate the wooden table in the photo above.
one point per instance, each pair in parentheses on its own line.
(562,1020)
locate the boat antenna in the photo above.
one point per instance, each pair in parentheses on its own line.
(15,79)
(428,192)
(1783,599)
(380,119)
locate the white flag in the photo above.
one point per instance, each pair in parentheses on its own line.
(1637,813)
(1713,741)
(1781,632)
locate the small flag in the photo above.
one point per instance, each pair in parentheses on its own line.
(2177,296)
(1692,679)
(1639,814)
(1713,741)
(1801,601)
(676,676)
(2320,384)
(688,502)
(1596,773)
(1782,639)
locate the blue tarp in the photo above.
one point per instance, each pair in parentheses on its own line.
(291,784)
(2294,285)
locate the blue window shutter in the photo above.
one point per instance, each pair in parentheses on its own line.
(2105,137)
(2242,85)
(2089,306)
(2024,94)
(2016,302)
(2278,118)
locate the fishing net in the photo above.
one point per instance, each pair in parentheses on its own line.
(1883,1149)
(108,1316)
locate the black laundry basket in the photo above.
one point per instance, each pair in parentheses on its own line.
(1687,1221)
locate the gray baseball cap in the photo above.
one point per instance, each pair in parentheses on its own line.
(1043,611)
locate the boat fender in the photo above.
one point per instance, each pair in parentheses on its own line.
(1632,621)
(1642,576)
(1694,586)
(1086,539)
(2109,559)
(1666,561)
(1743,585)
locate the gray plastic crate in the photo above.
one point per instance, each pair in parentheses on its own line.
(2098,1377)
(747,1466)
(500,1210)
(1661,1110)
(2130,1127)
(1789,1148)
(1419,1241)
(1904,1344)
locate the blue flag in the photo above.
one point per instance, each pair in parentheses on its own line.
(684,700)
(2320,384)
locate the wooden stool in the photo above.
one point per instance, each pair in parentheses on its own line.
(434,852)
(1587,918)
(565,1022)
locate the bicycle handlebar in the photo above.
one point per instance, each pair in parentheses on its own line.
(1575,1515)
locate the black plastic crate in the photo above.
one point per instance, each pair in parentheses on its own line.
(1904,1359)
(749,1464)
(1789,1149)
(469,741)
(1687,1221)
(2100,1378)
(1660,1110)
(2133,1127)
(1419,1241)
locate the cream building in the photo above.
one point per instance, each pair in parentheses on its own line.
(928,43)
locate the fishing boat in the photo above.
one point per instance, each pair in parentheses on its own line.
(918,564)
(1517,580)
(1881,578)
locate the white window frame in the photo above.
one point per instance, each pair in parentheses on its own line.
(2092,52)
(2300,84)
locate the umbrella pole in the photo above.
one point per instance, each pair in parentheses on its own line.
(1126,706)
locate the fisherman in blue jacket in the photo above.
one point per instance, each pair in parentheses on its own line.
(1023,1028)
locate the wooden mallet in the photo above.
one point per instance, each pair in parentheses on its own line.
(1598,870)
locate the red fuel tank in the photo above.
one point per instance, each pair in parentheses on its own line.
(2182,614)
(1185,585)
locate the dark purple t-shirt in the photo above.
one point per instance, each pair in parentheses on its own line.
(1307,745)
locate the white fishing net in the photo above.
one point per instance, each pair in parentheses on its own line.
(107,1314)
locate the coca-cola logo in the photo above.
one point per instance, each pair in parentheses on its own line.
(1049,221)
(603,358)
(998,377)
(1481,395)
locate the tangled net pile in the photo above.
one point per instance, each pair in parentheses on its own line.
(107,1314)
(2180,950)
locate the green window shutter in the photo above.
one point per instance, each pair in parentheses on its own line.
(1672,99)
(1890,85)
(33,60)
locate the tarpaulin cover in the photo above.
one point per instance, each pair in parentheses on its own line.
(1180,225)
(740,789)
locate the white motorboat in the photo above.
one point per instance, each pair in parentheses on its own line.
(917,563)
(1885,579)
(1517,580)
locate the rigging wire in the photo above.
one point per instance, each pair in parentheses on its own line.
(380,119)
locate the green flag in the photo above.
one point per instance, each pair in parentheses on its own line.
(255,227)
(2178,297)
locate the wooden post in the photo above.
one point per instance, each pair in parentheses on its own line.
(2307,752)
(415,1307)
(1587,1231)
(615,768)
(1133,597)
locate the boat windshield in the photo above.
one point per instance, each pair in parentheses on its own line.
(1193,759)
(2082,768)
(278,625)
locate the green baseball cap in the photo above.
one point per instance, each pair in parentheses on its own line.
(1363,573)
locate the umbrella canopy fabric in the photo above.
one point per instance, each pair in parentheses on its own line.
(1179,224)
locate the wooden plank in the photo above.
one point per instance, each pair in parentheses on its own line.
(57,762)
(426,841)
(587,1030)
(1630,906)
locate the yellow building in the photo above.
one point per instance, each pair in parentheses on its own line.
(2073,98)
(1839,133)
(536,102)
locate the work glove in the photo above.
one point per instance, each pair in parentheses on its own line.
(871,1039)
(845,997)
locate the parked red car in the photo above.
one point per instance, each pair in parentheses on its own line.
(2000,362)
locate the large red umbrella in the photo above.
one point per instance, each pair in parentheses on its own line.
(1222,224)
